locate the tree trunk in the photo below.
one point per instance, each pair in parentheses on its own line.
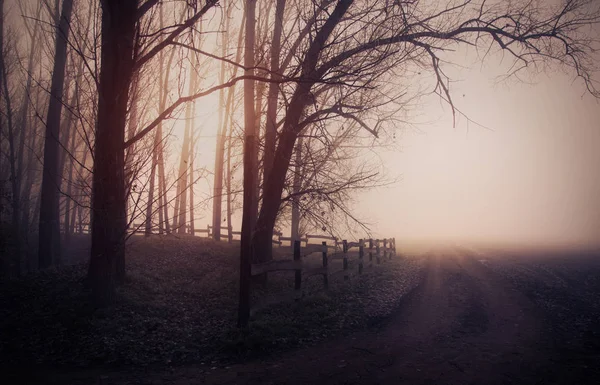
(79,208)
(164,93)
(175,224)
(49,231)
(229,229)
(131,131)
(220,150)
(273,93)
(183,176)
(23,111)
(183,164)
(295,235)
(257,113)
(16,263)
(3,171)
(67,227)
(162,180)
(148,224)
(248,216)
(192,181)
(70,152)
(155,150)
(161,226)
(26,218)
(26,197)
(273,189)
(65,124)
(108,217)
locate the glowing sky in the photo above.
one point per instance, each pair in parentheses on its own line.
(535,178)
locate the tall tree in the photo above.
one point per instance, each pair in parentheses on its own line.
(295,233)
(70,152)
(49,225)
(152,178)
(162,97)
(109,216)
(185,150)
(221,129)
(24,109)
(273,92)
(263,233)
(228,127)
(192,181)
(250,167)
(4,91)
(360,50)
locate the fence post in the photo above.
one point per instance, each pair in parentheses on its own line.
(298,272)
(385,253)
(298,275)
(361,253)
(345,251)
(377,251)
(370,250)
(326,274)
(208,231)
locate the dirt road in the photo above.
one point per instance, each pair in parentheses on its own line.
(465,324)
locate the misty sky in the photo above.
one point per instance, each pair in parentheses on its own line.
(535,178)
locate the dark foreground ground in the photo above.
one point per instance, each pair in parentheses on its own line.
(178,307)
(476,318)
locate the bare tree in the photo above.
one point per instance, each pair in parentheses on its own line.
(223,113)
(296,185)
(388,36)
(4,91)
(273,93)
(109,206)
(119,18)
(250,167)
(24,112)
(185,150)
(49,226)
(70,136)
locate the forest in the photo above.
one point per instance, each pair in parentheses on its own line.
(111,112)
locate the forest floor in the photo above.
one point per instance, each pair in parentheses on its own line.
(178,307)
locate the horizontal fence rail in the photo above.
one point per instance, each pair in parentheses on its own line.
(355,256)
(352,254)
(278,238)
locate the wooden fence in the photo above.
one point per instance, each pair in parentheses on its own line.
(278,238)
(352,254)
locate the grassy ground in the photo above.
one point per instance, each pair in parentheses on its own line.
(179,306)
